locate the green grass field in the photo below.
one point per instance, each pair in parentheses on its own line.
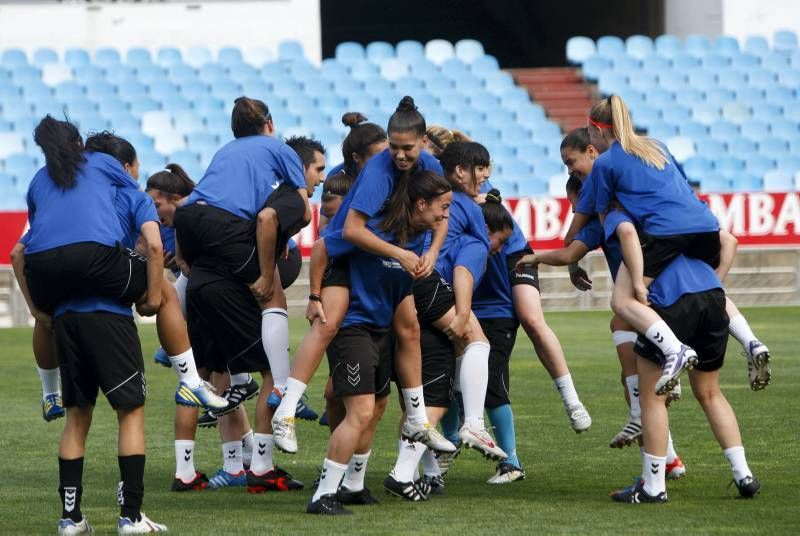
(569,475)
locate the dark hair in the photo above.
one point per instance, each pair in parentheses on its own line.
(112,145)
(574,185)
(576,139)
(62,146)
(467,154)
(249,117)
(496,216)
(337,185)
(406,118)
(422,184)
(305,148)
(359,139)
(172,180)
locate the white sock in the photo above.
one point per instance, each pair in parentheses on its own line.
(567,391)
(671,454)
(51,381)
(653,473)
(662,336)
(622,337)
(275,339)
(407,460)
(184,367)
(429,464)
(288,405)
(473,379)
(632,383)
(262,454)
(184,459)
(356,469)
(232,457)
(241,379)
(180,288)
(738,462)
(740,329)
(247,448)
(330,478)
(415,405)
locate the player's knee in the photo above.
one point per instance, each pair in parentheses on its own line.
(626,231)
(360,416)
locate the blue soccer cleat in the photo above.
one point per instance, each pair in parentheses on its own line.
(224,479)
(162,358)
(302,411)
(199,396)
(52,407)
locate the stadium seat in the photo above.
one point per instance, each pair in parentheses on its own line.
(638,46)
(468,50)
(363,70)
(668,46)
(394,69)
(778,181)
(680,147)
(713,183)
(410,50)
(759,165)
(697,45)
(168,56)
(784,41)
(257,56)
(229,56)
(698,166)
(662,131)
(785,129)
(684,61)
(138,57)
(484,65)
(756,45)
(726,45)
(736,112)
(775,62)
(349,52)
(198,56)
(579,49)
(378,51)
(594,67)
(706,147)
(655,64)
(729,166)
(761,78)
(44,56)
(747,183)
(10,143)
(745,62)
(715,62)
(610,46)
(439,50)
(756,130)
(773,148)
(290,50)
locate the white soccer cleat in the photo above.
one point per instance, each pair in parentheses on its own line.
(629,433)
(427,435)
(507,473)
(445,460)
(66,527)
(758,366)
(579,418)
(674,366)
(480,440)
(284,434)
(143,526)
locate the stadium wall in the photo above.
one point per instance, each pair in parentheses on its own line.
(152,25)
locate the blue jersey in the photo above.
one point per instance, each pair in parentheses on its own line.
(465,221)
(134,209)
(83,213)
(369,194)
(587,197)
(684,275)
(168,239)
(592,236)
(661,202)
(244,173)
(377,286)
(335,170)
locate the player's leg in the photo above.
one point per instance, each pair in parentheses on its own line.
(352,490)
(44,353)
(756,352)
(624,339)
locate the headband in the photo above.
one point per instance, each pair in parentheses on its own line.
(598,124)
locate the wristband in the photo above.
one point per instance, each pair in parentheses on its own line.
(314,297)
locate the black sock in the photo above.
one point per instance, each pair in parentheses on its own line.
(70,488)
(131,486)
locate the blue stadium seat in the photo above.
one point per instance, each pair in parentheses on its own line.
(259,89)
(749,95)
(594,67)
(24,74)
(169,56)
(175,103)
(720,96)
(698,166)
(713,183)
(484,65)
(130,91)
(668,46)
(745,62)
(13,57)
(99,90)
(645,116)
(660,98)
(742,146)
(138,56)
(530,116)
(756,45)
(161,89)
(439,85)
(789,78)
(333,70)
(69,91)
(785,129)
(106,56)
(317,86)
(775,62)
(756,130)
(736,112)
(662,131)
(11,143)
(439,50)
(681,147)
(641,82)
(778,181)
(238,71)
(612,82)
(761,78)
(766,111)
(773,148)
(43,56)
(363,70)
(790,164)
(197,56)
(257,56)
(784,40)
(410,50)
(676,114)
(186,121)
(394,69)
(689,96)
(759,165)
(547,133)
(729,166)
(532,186)
(781,96)
(148,73)
(207,105)
(579,49)
(378,86)
(409,86)
(226,89)
(194,90)
(274,69)
(723,130)
(702,79)
(747,183)
(140,105)
(626,65)
(715,62)
(610,46)
(639,46)
(349,52)
(673,81)
(377,51)
(454,68)
(300,104)
(290,50)
(468,50)
(697,45)
(707,147)
(76,56)
(655,64)
(211,72)
(347,86)
(726,45)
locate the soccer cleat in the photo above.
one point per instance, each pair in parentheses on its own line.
(328,505)
(274,480)
(52,407)
(144,525)
(427,435)
(162,358)
(748,487)
(424,488)
(68,526)
(675,394)
(405,490)
(362,496)
(676,469)
(674,366)
(284,434)
(758,366)
(207,420)
(629,433)
(507,473)
(481,440)
(636,494)
(445,459)
(323,420)
(302,411)
(579,418)
(435,483)
(203,395)
(200,481)
(237,394)
(224,479)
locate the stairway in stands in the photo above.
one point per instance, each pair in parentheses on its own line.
(562,92)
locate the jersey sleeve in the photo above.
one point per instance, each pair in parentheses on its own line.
(472,255)
(476,223)
(291,168)
(591,234)
(604,186)
(375,187)
(587,196)
(144,210)
(428,162)
(614,219)
(113,170)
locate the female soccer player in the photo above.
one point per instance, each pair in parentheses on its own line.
(440,137)
(347,232)
(380,285)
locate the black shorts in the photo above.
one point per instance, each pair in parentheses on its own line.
(433,297)
(698,320)
(100,351)
(660,251)
(529,274)
(337,273)
(291,211)
(289,268)
(502,334)
(224,323)
(83,270)
(438,367)
(354,357)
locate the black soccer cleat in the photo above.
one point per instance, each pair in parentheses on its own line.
(200,481)
(275,479)
(405,490)
(362,496)
(748,487)
(636,495)
(237,395)
(207,420)
(328,505)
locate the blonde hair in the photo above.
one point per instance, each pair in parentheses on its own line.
(441,137)
(612,113)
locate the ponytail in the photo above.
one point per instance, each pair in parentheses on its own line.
(406,118)
(362,134)
(62,146)
(424,185)
(172,180)
(249,117)
(112,145)
(613,114)
(497,218)
(441,137)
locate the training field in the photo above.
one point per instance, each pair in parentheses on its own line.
(569,475)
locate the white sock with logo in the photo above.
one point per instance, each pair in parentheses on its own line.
(740,329)
(288,406)
(632,383)
(415,405)
(232,457)
(184,366)
(275,339)
(473,379)
(660,334)
(51,381)
(653,470)
(356,470)
(566,389)
(407,461)
(262,454)
(738,462)
(184,460)
(671,454)
(329,480)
